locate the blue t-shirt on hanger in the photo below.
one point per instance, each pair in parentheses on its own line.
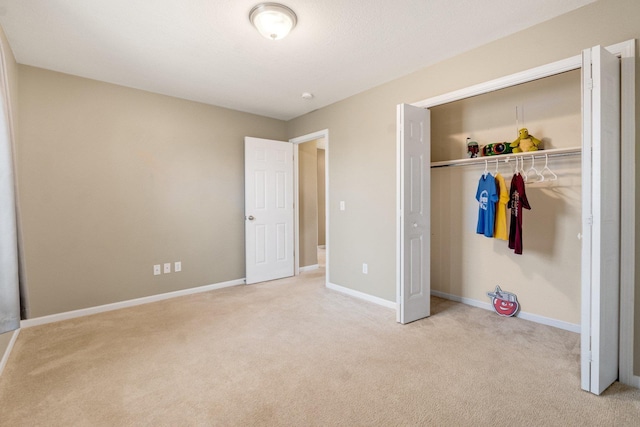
(487,196)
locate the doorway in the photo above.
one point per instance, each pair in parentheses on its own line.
(311,202)
(308,234)
(272,186)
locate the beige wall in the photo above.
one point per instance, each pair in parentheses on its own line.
(12,77)
(308,199)
(114,180)
(363,134)
(322,217)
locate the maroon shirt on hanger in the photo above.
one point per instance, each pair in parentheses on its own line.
(517,201)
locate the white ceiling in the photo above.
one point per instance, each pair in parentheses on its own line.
(207,50)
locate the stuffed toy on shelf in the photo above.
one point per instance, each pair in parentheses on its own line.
(525,142)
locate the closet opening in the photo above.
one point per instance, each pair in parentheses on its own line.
(565,276)
(546,276)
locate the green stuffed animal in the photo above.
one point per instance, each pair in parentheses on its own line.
(525,142)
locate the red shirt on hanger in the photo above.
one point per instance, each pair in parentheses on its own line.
(517,201)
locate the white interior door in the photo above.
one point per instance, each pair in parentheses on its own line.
(601,219)
(268,209)
(414,213)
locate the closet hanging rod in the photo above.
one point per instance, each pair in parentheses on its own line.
(554,152)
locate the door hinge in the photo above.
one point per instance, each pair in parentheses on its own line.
(589,84)
(589,220)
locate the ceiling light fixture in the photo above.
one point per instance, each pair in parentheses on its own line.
(273,20)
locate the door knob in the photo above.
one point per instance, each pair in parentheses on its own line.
(251,218)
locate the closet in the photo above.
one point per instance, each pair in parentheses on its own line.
(546,277)
(568,273)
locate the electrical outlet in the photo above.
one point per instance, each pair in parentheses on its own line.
(342,205)
(177,266)
(365,269)
(156,269)
(167,267)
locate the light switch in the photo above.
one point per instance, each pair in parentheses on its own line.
(156,269)
(177,266)
(342,205)
(167,267)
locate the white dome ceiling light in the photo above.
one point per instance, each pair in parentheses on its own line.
(273,20)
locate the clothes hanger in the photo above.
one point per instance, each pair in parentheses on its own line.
(534,170)
(546,168)
(486,170)
(497,161)
(519,168)
(522,173)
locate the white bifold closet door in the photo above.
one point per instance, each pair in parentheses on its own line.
(414,214)
(600,219)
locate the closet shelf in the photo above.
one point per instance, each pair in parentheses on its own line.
(554,152)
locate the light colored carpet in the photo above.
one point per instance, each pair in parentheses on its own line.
(291,352)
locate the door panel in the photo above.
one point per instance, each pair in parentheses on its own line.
(414,189)
(268,209)
(416,257)
(601,219)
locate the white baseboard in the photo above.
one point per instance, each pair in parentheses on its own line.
(362,295)
(522,315)
(124,304)
(309,268)
(7,351)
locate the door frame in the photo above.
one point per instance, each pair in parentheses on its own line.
(296,216)
(626,51)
